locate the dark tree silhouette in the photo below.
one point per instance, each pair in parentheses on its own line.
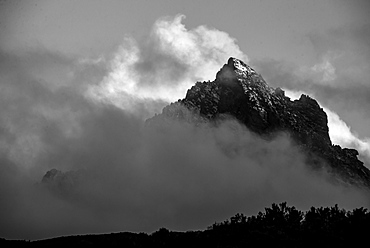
(278,226)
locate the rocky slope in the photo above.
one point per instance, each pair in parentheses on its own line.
(239,91)
(61,183)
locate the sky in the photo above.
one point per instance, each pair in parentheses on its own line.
(79,78)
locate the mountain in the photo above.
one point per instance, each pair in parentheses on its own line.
(240,92)
(61,183)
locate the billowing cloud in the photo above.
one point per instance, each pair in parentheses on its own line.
(322,72)
(339,78)
(165,65)
(128,176)
(340,96)
(340,133)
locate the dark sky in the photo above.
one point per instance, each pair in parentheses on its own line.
(78,79)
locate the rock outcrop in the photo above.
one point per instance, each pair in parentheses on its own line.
(61,183)
(239,91)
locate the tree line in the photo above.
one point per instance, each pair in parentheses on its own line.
(278,226)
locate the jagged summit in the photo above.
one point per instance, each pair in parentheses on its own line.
(237,71)
(239,91)
(235,68)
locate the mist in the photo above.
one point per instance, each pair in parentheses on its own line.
(164,65)
(89,120)
(338,78)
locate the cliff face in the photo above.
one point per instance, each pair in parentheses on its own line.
(239,91)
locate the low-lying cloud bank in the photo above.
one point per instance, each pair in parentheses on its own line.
(142,178)
(131,176)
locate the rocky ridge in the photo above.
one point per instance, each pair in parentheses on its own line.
(61,183)
(240,92)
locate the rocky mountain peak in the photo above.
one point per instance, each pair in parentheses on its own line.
(52,175)
(240,92)
(237,72)
(235,68)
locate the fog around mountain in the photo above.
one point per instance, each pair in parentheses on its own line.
(88,117)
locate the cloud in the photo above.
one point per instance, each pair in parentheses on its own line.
(340,133)
(339,80)
(180,176)
(323,72)
(131,176)
(166,64)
